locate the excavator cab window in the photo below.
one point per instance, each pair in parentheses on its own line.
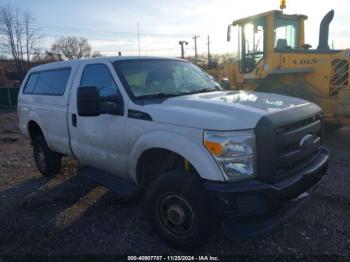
(286,34)
(252,45)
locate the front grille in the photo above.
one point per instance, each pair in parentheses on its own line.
(278,138)
(291,155)
(296,125)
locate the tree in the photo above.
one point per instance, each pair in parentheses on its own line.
(32,37)
(96,54)
(17,36)
(216,59)
(10,31)
(225,58)
(72,47)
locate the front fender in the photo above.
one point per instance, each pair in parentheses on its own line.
(196,154)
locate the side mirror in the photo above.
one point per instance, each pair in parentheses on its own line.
(112,105)
(88,101)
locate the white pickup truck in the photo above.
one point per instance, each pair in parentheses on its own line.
(162,126)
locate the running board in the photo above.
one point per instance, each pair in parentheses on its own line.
(116,184)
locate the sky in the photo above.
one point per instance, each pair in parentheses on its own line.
(111,25)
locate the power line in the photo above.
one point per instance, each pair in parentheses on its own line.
(91,38)
(103,51)
(110,40)
(60,27)
(65,33)
(126,38)
(65,28)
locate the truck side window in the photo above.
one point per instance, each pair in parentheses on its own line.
(49,82)
(99,75)
(31,82)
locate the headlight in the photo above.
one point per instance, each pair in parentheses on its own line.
(233,151)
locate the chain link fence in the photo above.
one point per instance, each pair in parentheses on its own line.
(8,97)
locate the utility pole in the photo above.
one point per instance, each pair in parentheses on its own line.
(138,37)
(208,50)
(195,48)
(182,43)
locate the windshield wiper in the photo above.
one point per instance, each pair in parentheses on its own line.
(203,90)
(164,94)
(160,95)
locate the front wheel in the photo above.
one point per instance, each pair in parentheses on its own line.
(47,161)
(177,210)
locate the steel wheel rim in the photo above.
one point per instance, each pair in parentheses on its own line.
(175,215)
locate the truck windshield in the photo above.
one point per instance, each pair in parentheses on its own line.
(161,77)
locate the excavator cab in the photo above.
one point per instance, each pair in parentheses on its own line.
(271,56)
(258,38)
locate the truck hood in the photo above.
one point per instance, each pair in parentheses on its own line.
(222,110)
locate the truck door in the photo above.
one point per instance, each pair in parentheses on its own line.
(98,140)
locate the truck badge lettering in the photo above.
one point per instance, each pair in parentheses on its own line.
(307,61)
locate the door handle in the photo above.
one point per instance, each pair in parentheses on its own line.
(74,120)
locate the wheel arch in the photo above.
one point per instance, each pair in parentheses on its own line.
(177,144)
(34,129)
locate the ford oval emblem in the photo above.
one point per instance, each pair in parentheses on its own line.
(306,141)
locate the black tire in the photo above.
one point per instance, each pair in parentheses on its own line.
(47,161)
(179,196)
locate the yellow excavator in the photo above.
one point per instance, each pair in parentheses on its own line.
(272,56)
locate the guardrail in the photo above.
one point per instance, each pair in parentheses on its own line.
(8,97)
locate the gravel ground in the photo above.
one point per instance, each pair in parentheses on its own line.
(71,215)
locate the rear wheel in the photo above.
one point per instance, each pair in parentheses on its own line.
(47,161)
(177,210)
